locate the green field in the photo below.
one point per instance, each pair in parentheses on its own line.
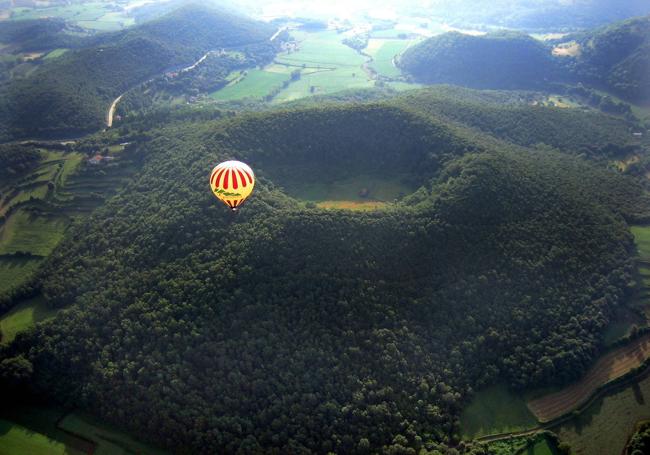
(108,440)
(328,66)
(30,233)
(55,53)
(383,52)
(256,84)
(16,271)
(92,15)
(495,410)
(65,433)
(24,316)
(603,429)
(347,189)
(18,440)
(324,48)
(642,240)
(324,82)
(541,447)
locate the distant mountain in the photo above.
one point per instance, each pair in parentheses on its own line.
(616,57)
(552,15)
(497,60)
(73,93)
(38,35)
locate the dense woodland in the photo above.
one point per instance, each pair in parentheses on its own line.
(16,160)
(290,329)
(72,94)
(545,15)
(639,443)
(497,60)
(39,35)
(615,58)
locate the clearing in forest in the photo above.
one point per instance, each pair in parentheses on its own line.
(361,192)
(23,317)
(495,410)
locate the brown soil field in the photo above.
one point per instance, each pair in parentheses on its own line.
(609,367)
(570,49)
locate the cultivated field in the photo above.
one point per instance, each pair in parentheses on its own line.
(37,235)
(604,427)
(494,410)
(23,317)
(102,16)
(326,64)
(609,367)
(255,84)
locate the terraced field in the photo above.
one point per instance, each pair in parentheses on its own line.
(41,204)
(609,367)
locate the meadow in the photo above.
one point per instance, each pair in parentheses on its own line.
(346,193)
(383,51)
(40,430)
(604,427)
(255,84)
(16,439)
(16,271)
(494,410)
(327,66)
(23,317)
(26,232)
(34,428)
(55,54)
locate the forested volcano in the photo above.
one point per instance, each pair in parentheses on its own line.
(615,58)
(290,329)
(497,60)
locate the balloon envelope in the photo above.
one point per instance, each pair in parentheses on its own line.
(232,182)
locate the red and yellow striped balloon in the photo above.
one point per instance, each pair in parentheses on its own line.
(232,182)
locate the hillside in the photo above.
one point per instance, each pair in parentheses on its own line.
(184,318)
(617,57)
(37,35)
(547,15)
(504,60)
(71,94)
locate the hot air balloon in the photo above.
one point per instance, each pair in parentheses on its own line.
(232,182)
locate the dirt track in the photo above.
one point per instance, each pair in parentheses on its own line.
(609,367)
